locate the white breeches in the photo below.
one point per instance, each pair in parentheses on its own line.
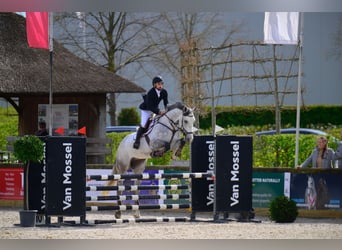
(145,115)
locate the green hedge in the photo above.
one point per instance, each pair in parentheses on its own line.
(259,116)
(268,151)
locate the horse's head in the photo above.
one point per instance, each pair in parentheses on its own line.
(311,182)
(188,122)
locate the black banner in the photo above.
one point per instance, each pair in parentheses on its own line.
(36,184)
(65,176)
(234,173)
(202,160)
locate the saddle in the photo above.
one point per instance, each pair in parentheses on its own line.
(149,126)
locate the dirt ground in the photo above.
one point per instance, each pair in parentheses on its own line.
(203,228)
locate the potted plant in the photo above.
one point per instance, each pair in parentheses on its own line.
(27,149)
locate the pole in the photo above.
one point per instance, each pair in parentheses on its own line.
(51,63)
(301,20)
(213,113)
(213,125)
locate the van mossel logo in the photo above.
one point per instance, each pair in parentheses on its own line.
(43,180)
(67,176)
(211,169)
(235,172)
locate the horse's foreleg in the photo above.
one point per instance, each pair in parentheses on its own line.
(177,148)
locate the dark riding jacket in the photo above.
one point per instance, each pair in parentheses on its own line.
(151,100)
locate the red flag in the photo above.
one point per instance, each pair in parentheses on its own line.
(82,131)
(60,131)
(37,29)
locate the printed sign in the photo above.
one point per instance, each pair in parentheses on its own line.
(233,173)
(63,116)
(317,191)
(266,187)
(202,160)
(65,176)
(11,183)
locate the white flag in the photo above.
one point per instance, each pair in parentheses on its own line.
(281,27)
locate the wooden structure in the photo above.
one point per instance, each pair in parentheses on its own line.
(25,80)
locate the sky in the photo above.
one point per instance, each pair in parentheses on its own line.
(321,73)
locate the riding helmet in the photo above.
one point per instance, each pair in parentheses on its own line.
(157,79)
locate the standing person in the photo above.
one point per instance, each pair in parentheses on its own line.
(338,154)
(151,106)
(321,156)
(42,131)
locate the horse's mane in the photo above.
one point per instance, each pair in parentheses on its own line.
(178,105)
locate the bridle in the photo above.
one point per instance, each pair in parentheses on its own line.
(173,126)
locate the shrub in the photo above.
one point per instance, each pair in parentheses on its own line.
(282,210)
(28,148)
(128,116)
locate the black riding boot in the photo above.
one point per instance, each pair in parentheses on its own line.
(140,132)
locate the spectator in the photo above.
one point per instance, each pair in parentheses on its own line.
(338,154)
(321,157)
(42,131)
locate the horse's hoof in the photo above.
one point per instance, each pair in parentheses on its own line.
(136,215)
(118,215)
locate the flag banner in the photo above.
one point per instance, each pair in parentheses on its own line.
(82,131)
(37,29)
(60,131)
(281,27)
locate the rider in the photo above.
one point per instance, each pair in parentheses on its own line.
(150,106)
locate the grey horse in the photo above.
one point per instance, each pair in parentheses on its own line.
(164,134)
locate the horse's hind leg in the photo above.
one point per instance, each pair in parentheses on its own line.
(138,166)
(118,212)
(136,192)
(117,170)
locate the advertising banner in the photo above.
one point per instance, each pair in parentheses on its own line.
(202,160)
(316,191)
(234,173)
(65,176)
(11,183)
(266,187)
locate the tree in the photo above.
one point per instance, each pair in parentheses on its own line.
(180,36)
(27,149)
(112,40)
(116,40)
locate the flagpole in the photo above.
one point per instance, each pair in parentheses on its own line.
(299,90)
(51,63)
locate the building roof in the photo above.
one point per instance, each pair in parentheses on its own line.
(25,70)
